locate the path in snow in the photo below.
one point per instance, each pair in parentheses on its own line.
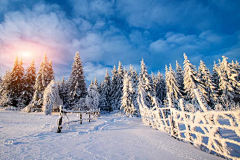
(113,136)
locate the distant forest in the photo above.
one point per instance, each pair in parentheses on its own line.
(21,87)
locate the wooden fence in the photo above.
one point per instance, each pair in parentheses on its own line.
(63,113)
(202,129)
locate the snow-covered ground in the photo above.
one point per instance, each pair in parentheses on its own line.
(112,136)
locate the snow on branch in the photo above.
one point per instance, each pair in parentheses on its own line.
(51,98)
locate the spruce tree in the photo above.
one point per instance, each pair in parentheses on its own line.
(63,91)
(128,103)
(6,90)
(191,81)
(160,87)
(146,85)
(30,78)
(228,82)
(17,83)
(42,81)
(50,72)
(215,76)
(119,84)
(77,85)
(179,77)
(114,89)
(105,100)
(172,84)
(96,82)
(207,80)
(92,99)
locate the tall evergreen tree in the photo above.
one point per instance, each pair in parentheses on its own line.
(105,100)
(215,76)
(191,81)
(30,78)
(41,82)
(146,85)
(92,99)
(172,84)
(77,85)
(50,71)
(63,91)
(114,89)
(95,82)
(207,79)
(6,90)
(160,86)
(229,84)
(179,77)
(129,102)
(119,88)
(17,83)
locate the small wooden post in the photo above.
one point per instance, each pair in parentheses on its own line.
(80,118)
(60,120)
(89,116)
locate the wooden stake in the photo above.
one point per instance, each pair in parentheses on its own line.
(80,118)
(89,117)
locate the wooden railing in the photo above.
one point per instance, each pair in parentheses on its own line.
(63,113)
(216,132)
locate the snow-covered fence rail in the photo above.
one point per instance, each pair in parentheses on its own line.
(206,130)
(63,112)
(202,129)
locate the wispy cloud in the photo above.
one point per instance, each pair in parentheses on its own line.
(106,31)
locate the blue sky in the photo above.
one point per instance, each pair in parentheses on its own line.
(108,31)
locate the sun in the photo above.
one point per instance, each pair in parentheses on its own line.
(25,54)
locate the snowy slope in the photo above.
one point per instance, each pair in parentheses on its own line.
(113,136)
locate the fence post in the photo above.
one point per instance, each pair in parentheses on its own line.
(89,116)
(80,118)
(60,120)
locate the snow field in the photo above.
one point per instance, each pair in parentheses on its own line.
(112,136)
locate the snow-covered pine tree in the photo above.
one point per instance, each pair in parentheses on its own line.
(119,87)
(114,89)
(146,85)
(100,94)
(92,99)
(216,77)
(17,83)
(229,84)
(105,100)
(160,87)
(77,85)
(96,82)
(179,77)
(63,92)
(30,78)
(50,71)
(237,67)
(128,103)
(172,84)
(6,90)
(41,82)
(191,81)
(134,86)
(207,79)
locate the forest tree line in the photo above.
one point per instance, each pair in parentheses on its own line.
(220,89)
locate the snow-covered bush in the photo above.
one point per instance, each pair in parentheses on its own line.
(51,98)
(9,108)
